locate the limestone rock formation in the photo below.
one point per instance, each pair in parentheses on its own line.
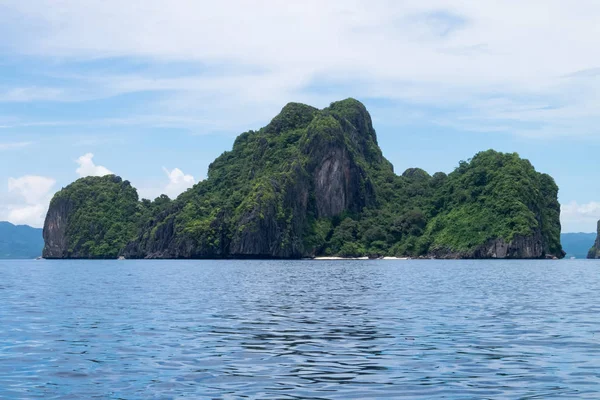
(315,182)
(94,217)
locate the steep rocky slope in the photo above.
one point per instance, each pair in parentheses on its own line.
(94,217)
(262,198)
(595,250)
(314,182)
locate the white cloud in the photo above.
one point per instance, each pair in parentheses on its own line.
(32,215)
(524,67)
(178,182)
(87,167)
(32,188)
(577,217)
(32,196)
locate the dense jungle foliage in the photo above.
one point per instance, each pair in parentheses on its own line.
(103,215)
(268,185)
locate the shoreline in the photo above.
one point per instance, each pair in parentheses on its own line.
(332,258)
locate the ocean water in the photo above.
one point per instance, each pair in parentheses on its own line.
(299,329)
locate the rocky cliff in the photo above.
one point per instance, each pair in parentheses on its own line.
(496,206)
(520,247)
(305,165)
(315,182)
(94,217)
(56,243)
(595,250)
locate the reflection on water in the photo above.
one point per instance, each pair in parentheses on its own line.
(300,329)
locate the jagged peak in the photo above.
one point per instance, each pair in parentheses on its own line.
(298,115)
(292,116)
(356,113)
(109,178)
(348,103)
(416,173)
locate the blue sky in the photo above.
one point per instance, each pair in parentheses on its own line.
(154,90)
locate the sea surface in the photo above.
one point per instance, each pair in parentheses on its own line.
(300,329)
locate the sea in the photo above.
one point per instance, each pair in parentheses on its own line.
(351,329)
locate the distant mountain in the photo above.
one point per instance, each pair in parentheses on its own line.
(577,244)
(20,241)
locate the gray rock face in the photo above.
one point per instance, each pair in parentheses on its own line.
(267,234)
(331,180)
(160,241)
(55,226)
(327,183)
(331,184)
(339,183)
(161,246)
(336,179)
(595,251)
(521,247)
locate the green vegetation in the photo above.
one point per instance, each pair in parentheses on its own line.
(103,216)
(314,182)
(494,195)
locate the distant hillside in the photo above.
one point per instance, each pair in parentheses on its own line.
(20,241)
(577,244)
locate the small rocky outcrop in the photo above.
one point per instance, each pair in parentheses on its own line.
(595,250)
(521,247)
(94,217)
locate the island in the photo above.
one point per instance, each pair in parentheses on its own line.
(315,183)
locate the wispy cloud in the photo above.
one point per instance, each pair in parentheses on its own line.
(14,145)
(585,73)
(493,68)
(580,217)
(534,57)
(30,94)
(150,121)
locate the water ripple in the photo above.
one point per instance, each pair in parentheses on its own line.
(299,330)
